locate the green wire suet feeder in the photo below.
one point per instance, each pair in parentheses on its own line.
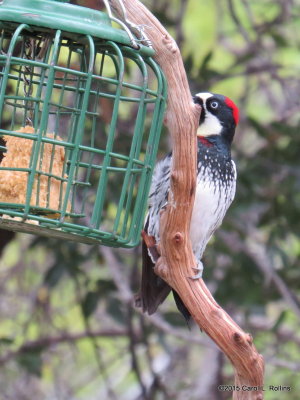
(69,81)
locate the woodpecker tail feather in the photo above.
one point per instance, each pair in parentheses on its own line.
(181,307)
(154,290)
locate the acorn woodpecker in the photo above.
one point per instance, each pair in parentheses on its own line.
(215,191)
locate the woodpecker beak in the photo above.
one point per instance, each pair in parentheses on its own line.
(202,115)
(199,101)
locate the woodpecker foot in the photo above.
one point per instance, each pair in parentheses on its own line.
(199,270)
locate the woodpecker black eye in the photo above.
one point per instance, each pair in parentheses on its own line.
(214,104)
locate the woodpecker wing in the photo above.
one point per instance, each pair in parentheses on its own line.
(154,290)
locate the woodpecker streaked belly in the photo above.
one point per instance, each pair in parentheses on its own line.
(215,191)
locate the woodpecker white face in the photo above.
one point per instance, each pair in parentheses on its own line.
(219,114)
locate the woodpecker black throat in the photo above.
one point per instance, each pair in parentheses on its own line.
(215,191)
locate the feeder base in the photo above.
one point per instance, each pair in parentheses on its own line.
(20,226)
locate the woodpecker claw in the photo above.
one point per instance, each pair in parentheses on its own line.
(196,277)
(199,269)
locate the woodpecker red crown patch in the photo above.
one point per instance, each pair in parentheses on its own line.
(235,110)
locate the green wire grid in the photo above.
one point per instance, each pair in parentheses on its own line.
(79,89)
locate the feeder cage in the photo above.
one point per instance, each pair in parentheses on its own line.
(81,112)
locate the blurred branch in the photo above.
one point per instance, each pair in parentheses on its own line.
(284,334)
(290,365)
(258,254)
(283,14)
(237,21)
(51,341)
(249,12)
(133,353)
(158,380)
(207,385)
(179,21)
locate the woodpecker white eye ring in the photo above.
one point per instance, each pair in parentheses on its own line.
(214,104)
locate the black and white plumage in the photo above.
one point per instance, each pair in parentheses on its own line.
(215,191)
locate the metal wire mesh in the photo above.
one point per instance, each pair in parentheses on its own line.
(72,94)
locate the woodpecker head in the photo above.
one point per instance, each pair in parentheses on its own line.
(219,116)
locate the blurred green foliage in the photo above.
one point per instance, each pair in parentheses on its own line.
(68,329)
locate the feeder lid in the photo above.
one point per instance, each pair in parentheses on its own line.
(57,14)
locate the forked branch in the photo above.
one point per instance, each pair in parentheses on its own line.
(177,259)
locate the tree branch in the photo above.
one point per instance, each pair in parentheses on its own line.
(177,259)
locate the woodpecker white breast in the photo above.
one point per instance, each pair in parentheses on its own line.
(215,190)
